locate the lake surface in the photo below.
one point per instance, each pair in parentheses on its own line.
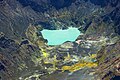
(57,37)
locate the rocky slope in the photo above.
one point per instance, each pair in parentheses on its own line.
(24,53)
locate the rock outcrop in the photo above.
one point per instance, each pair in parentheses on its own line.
(24,54)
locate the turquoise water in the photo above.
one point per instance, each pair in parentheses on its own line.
(56,37)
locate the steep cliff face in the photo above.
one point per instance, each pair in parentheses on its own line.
(114,17)
(25,55)
(13,19)
(16,59)
(44,5)
(17,15)
(109,61)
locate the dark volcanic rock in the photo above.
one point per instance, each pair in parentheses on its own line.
(109,60)
(38,5)
(114,16)
(23,51)
(44,5)
(61,3)
(16,60)
(15,19)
